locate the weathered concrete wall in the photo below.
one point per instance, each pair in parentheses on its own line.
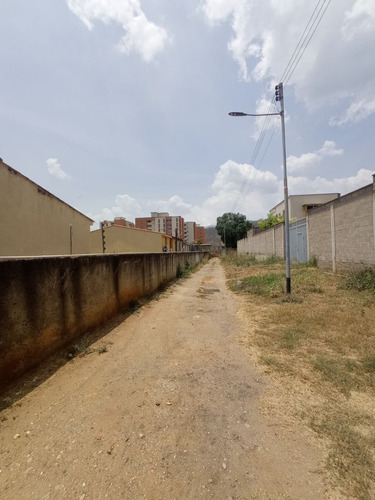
(35,222)
(264,243)
(45,303)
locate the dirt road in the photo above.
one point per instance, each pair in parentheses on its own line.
(170,411)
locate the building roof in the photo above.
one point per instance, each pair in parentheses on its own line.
(40,188)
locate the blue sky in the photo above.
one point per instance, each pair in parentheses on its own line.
(120,107)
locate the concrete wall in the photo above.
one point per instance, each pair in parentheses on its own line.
(46,303)
(263,243)
(34,222)
(341,233)
(126,239)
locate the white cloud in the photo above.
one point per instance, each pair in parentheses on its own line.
(54,169)
(337,65)
(125,206)
(142,35)
(309,160)
(343,185)
(236,187)
(329,149)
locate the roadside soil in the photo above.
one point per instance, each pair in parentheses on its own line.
(171,410)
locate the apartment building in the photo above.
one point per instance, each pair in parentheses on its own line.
(190,230)
(118,221)
(162,222)
(200,234)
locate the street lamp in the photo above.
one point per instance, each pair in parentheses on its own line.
(279,94)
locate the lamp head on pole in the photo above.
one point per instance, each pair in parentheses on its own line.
(237,113)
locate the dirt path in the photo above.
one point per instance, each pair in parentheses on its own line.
(169,412)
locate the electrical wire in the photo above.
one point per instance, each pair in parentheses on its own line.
(305,39)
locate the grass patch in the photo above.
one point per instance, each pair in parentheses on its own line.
(350,456)
(319,342)
(243,260)
(291,338)
(339,372)
(360,280)
(269,284)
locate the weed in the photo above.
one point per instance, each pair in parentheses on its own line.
(102,349)
(291,338)
(184,272)
(239,260)
(269,284)
(134,307)
(339,372)
(360,280)
(273,259)
(291,298)
(349,457)
(80,349)
(368,363)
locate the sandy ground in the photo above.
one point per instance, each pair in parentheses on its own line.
(170,411)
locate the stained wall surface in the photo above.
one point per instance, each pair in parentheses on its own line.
(45,303)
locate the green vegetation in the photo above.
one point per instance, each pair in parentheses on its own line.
(360,280)
(232,227)
(184,272)
(260,285)
(270,221)
(242,260)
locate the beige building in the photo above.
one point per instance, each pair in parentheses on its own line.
(299,204)
(35,222)
(122,239)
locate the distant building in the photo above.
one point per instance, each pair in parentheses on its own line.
(118,221)
(299,204)
(162,222)
(200,234)
(190,232)
(35,222)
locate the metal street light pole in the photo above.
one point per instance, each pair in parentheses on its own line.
(279,92)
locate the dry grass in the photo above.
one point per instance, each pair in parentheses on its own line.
(321,341)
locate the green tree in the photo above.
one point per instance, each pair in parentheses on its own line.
(271,220)
(232,227)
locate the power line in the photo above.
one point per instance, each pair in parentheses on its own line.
(305,39)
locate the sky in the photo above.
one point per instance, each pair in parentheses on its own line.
(120,107)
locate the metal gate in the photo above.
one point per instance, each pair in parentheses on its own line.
(298,241)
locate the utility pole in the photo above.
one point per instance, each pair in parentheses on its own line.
(103,236)
(279,95)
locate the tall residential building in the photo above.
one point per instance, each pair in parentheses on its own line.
(190,230)
(162,222)
(118,221)
(200,234)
